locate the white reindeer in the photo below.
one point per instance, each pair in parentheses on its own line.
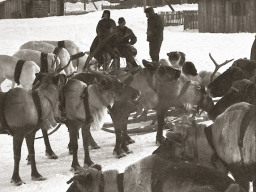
(72,49)
(49,48)
(8,70)
(38,58)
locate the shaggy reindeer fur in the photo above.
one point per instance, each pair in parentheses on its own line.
(23,112)
(232,136)
(49,48)
(205,77)
(101,98)
(154,174)
(27,75)
(33,55)
(72,49)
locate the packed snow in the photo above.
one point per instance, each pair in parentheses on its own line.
(81,29)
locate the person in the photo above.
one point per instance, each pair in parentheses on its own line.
(105,27)
(126,40)
(154,33)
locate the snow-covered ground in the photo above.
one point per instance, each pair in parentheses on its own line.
(81,29)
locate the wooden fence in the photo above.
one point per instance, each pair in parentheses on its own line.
(172,18)
(190,20)
(187,18)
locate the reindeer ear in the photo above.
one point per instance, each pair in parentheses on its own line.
(161,71)
(97,166)
(149,65)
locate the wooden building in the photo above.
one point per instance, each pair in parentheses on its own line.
(151,2)
(227,16)
(30,8)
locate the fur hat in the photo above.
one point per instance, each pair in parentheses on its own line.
(189,68)
(149,10)
(107,12)
(121,20)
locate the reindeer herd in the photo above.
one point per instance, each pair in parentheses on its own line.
(57,89)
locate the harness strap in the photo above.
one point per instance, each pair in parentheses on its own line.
(18,69)
(61,44)
(44,63)
(120,182)
(85,96)
(6,127)
(248,116)
(208,134)
(56,50)
(102,183)
(184,88)
(195,141)
(37,103)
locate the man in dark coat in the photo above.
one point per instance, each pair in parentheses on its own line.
(154,33)
(253,50)
(126,39)
(105,27)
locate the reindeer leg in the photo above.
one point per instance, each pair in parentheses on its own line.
(92,143)
(161,111)
(118,120)
(48,151)
(254,184)
(30,140)
(13,84)
(86,133)
(73,133)
(17,143)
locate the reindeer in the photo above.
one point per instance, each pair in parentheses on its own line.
(23,112)
(240,69)
(48,48)
(72,49)
(240,91)
(158,87)
(100,97)
(154,174)
(17,70)
(48,62)
(229,142)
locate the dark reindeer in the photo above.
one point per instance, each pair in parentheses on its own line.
(240,69)
(24,112)
(153,173)
(240,91)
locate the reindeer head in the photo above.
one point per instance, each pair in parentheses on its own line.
(112,89)
(86,180)
(241,91)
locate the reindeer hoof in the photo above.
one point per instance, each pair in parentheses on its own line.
(120,155)
(51,156)
(17,182)
(95,146)
(160,140)
(38,178)
(128,151)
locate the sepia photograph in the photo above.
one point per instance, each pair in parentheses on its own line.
(127,95)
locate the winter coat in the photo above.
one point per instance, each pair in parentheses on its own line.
(104,26)
(155,28)
(126,36)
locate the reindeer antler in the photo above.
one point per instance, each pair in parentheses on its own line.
(217,66)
